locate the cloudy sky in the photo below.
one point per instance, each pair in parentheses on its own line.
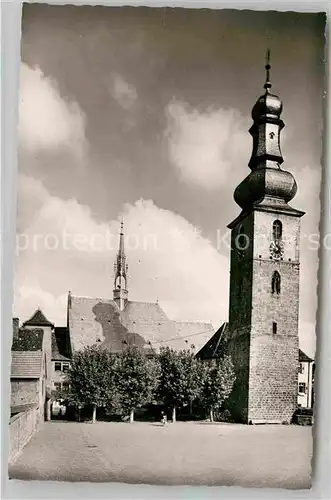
(145,113)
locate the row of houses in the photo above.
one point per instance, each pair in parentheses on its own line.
(40,359)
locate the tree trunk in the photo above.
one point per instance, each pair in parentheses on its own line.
(191,407)
(78,414)
(48,410)
(94,416)
(131,416)
(211,415)
(174,414)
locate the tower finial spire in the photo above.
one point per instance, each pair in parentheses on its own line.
(267,84)
(267,184)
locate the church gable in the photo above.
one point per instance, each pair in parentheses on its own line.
(98,320)
(84,330)
(144,324)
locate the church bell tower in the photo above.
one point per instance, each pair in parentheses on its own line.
(120,293)
(264,279)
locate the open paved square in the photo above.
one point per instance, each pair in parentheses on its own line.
(182,453)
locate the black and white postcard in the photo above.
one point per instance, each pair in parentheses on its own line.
(167,239)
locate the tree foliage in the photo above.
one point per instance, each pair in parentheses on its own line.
(92,378)
(137,378)
(218,378)
(180,380)
(129,380)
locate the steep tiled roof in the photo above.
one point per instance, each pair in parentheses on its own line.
(38,319)
(304,358)
(26,364)
(214,348)
(28,339)
(61,344)
(148,321)
(140,323)
(193,334)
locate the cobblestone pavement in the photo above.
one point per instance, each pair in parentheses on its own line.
(181,453)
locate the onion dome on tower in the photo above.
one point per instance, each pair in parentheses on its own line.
(267,184)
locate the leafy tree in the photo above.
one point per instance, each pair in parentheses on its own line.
(56,394)
(180,380)
(218,379)
(136,379)
(92,378)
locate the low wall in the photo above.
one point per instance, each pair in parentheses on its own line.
(21,428)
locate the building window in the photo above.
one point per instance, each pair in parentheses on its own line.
(301,368)
(274,327)
(277,230)
(65,367)
(62,386)
(275,283)
(302,388)
(61,367)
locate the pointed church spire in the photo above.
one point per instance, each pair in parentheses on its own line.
(120,293)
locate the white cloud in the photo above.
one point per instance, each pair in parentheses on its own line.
(176,264)
(202,145)
(122,91)
(307,198)
(307,338)
(47,121)
(28,298)
(31,197)
(168,258)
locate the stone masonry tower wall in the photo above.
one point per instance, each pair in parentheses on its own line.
(274,346)
(264,282)
(240,315)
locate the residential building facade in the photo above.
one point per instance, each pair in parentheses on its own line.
(305,381)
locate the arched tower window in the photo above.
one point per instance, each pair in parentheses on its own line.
(241,239)
(275,283)
(241,242)
(277,230)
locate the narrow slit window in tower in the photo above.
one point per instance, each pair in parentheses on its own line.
(275,283)
(274,327)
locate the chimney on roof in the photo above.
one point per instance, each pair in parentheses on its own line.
(16,326)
